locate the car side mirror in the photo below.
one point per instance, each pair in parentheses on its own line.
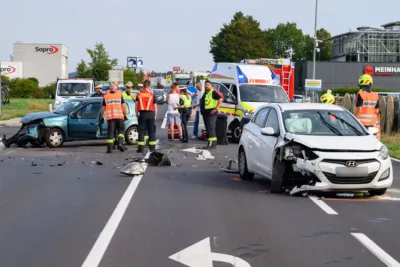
(73,115)
(373,130)
(269,131)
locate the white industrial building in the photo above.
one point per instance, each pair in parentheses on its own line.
(11,69)
(45,62)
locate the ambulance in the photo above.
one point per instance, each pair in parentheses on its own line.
(245,87)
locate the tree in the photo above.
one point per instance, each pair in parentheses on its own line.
(83,71)
(130,76)
(35,80)
(240,39)
(325,52)
(99,65)
(5,78)
(325,47)
(285,37)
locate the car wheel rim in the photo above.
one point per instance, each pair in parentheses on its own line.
(133,135)
(237,132)
(56,138)
(242,162)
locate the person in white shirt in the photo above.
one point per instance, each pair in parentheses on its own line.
(197,118)
(173,115)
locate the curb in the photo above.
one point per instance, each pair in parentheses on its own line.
(396,160)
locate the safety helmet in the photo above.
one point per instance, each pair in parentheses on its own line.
(365,80)
(327,99)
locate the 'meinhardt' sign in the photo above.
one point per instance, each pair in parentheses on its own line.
(382,70)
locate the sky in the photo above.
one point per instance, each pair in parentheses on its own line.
(168,33)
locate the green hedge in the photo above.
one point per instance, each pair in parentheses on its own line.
(344,90)
(29,88)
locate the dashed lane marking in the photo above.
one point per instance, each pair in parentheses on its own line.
(99,248)
(323,205)
(376,250)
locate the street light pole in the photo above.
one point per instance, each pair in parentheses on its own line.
(315,38)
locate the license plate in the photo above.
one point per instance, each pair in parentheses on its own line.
(352,171)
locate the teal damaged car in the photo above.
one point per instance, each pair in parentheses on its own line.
(75,120)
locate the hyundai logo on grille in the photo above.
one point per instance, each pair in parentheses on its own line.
(351,164)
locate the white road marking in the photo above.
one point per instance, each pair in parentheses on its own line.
(376,250)
(164,123)
(1,145)
(323,205)
(95,255)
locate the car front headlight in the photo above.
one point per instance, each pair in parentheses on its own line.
(248,114)
(384,152)
(58,102)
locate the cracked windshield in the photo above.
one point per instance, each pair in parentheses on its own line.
(233,138)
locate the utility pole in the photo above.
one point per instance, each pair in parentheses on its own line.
(315,38)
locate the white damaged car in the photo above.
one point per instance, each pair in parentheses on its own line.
(305,147)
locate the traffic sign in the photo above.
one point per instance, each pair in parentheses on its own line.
(313,85)
(200,255)
(176,68)
(134,62)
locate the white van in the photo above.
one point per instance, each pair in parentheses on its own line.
(245,88)
(73,88)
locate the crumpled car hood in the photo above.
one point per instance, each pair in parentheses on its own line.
(359,143)
(36,116)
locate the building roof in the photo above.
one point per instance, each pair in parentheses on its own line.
(395,23)
(365,28)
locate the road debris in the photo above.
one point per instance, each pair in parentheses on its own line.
(158,159)
(229,169)
(134,168)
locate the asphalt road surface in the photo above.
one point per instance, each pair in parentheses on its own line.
(59,207)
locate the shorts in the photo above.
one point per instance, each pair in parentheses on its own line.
(174,118)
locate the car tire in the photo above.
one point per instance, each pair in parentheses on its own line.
(236,133)
(54,138)
(243,170)
(378,192)
(132,135)
(278,176)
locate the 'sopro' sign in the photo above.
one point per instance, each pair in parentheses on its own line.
(49,50)
(7,70)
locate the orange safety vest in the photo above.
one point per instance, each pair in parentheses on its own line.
(367,114)
(145,101)
(113,109)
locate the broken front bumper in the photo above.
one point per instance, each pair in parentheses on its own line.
(31,133)
(330,172)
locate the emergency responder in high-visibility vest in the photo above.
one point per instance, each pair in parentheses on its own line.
(185,108)
(128,95)
(114,112)
(367,104)
(146,111)
(146,136)
(209,104)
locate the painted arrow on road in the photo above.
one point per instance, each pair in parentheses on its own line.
(200,255)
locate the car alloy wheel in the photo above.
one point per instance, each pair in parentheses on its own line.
(56,138)
(132,135)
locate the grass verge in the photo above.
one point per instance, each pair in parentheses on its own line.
(19,107)
(392,141)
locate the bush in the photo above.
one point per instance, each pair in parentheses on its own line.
(344,90)
(49,90)
(33,79)
(5,78)
(24,88)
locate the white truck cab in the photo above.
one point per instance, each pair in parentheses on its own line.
(245,87)
(73,88)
